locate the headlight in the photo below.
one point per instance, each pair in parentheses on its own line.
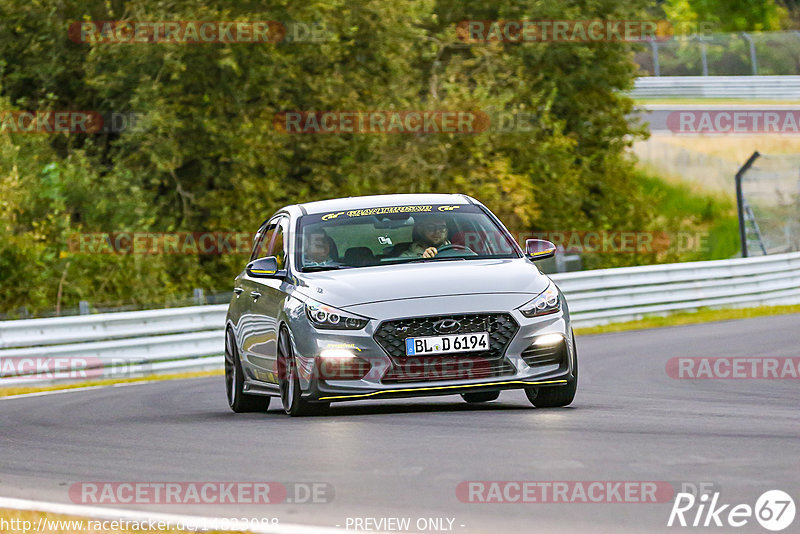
(546,303)
(324,316)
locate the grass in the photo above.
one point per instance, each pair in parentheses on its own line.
(698,317)
(681,208)
(24,522)
(21,390)
(699,224)
(735,148)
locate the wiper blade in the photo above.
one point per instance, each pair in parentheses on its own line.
(316,268)
(446,258)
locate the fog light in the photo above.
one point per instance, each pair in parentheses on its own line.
(548,339)
(336,353)
(340,364)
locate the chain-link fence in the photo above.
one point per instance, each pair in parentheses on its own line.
(722,54)
(769,204)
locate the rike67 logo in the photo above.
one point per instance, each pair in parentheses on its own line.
(774,510)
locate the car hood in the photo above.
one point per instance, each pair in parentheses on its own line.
(363,285)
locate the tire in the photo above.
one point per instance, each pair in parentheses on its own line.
(239,401)
(556,397)
(289,382)
(481,396)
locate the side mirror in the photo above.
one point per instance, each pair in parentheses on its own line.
(539,249)
(263,267)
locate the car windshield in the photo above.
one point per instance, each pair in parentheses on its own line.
(399,234)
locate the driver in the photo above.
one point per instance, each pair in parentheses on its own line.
(317,249)
(429,234)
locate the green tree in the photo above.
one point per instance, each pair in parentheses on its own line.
(207,156)
(729,15)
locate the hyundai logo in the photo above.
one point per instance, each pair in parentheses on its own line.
(446,326)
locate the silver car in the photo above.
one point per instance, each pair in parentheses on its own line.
(394,296)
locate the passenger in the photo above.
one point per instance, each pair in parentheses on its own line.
(317,249)
(429,234)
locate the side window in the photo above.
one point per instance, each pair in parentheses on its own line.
(277,245)
(261,241)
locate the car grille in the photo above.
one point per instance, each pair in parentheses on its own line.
(548,355)
(391,336)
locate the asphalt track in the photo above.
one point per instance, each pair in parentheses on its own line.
(405,458)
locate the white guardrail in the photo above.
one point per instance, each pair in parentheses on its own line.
(744,87)
(157,341)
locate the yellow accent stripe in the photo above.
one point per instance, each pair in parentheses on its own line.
(360,395)
(548,251)
(261,271)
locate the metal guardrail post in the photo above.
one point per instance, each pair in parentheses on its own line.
(83,307)
(656,66)
(199,296)
(752,52)
(704,57)
(561,264)
(740,201)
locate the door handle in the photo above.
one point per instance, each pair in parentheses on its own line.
(255,295)
(238,290)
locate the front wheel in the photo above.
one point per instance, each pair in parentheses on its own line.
(238,401)
(555,397)
(289,382)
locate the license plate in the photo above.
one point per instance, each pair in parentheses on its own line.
(472,342)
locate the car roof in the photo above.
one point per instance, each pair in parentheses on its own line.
(379,201)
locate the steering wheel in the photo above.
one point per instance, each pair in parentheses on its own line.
(452,247)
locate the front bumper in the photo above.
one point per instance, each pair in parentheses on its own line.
(528,365)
